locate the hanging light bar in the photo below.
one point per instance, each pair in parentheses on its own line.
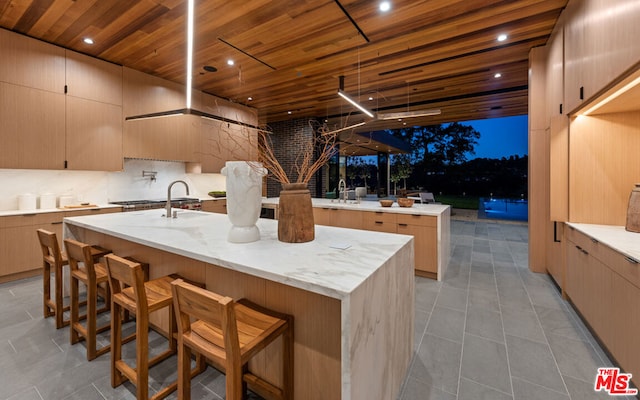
(189,49)
(409,114)
(355,104)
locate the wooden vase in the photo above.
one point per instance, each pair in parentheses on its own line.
(633,210)
(295,214)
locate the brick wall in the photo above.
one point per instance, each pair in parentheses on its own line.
(289,138)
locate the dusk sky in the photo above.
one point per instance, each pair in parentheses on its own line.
(500,137)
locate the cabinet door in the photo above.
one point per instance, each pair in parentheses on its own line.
(32,128)
(94,135)
(31,63)
(554,92)
(425,242)
(559,168)
(337,217)
(574,285)
(625,325)
(93,79)
(574,56)
(222,142)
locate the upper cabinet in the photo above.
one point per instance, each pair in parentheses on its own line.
(93,114)
(146,94)
(555,72)
(601,43)
(44,128)
(31,63)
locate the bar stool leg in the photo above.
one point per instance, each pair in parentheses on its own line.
(90,339)
(46,289)
(59,311)
(142,355)
(74,319)
(116,346)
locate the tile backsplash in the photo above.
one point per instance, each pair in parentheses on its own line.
(99,187)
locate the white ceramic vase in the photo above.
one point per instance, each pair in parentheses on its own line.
(244,199)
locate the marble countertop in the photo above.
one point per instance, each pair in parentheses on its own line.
(334,264)
(7,213)
(367,205)
(616,237)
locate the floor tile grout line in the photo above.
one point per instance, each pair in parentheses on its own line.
(464,327)
(544,333)
(504,334)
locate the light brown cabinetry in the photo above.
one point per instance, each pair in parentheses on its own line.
(424,229)
(604,285)
(93,114)
(44,128)
(380,222)
(600,45)
(19,248)
(215,206)
(31,63)
(32,128)
(223,141)
(337,217)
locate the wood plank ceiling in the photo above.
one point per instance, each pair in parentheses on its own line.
(289,55)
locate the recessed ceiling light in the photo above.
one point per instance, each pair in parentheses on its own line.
(385,6)
(289,112)
(230,62)
(249,98)
(497,75)
(88,40)
(502,37)
(370,98)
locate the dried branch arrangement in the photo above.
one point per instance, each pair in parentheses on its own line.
(240,143)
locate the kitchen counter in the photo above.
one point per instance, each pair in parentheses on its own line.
(613,236)
(8,213)
(429,224)
(367,205)
(351,295)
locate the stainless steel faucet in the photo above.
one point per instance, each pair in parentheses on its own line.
(342,184)
(168,206)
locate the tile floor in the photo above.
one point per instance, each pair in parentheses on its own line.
(490,330)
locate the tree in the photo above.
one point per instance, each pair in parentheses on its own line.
(401,168)
(436,148)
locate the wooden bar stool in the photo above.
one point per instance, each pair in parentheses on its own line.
(94,276)
(130,292)
(53,260)
(229,334)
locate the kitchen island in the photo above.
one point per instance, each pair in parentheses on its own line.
(429,224)
(351,295)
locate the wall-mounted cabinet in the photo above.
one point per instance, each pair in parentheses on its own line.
(31,63)
(32,128)
(554,73)
(44,128)
(601,43)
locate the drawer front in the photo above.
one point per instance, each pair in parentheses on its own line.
(28,219)
(92,211)
(417,219)
(380,216)
(626,267)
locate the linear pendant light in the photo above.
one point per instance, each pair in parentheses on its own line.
(409,114)
(354,103)
(189,50)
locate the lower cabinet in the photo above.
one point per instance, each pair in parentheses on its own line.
(604,286)
(336,217)
(422,227)
(215,206)
(19,247)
